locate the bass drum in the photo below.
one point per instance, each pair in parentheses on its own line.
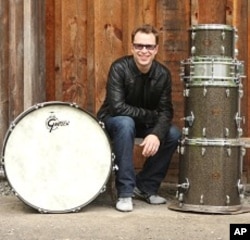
(57,157)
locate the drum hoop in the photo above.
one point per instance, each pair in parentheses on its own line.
(213,142)
(213,27)
(211,83)
(211,60)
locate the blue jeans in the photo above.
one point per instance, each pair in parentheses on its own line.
(122,131)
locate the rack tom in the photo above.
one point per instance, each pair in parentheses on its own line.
(213,40)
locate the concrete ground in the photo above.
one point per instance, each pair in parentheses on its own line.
(100,221)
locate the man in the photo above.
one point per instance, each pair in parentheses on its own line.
(138,104)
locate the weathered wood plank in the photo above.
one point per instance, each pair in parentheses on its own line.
(107,44)
(16,59)
(211,11)
(34,50)
(50,46)
(73,52)
(4,74)
(240,21)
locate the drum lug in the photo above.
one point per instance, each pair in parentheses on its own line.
(185,131)
(115,168)
(243,151)
(227,200)
(181,150)
(204,132)
(241,189)
(12,126)
(203,151)
(181,198)
(42,211)
(227,92)
(226,132)
(236,52)
(229,151)
(241,93)
(104,188)
(204,91)
(223,35)
(186,92)
(193,50)
(202,199)
(184,185)
(222,50)
(240,132)
(193,35)
(190,119)
(102,124)
(113,157)
(238,119)
(2,173)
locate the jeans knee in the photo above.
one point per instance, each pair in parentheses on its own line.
(127,125)
(122,125)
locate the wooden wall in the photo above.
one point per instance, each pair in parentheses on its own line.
(62,49)
(22,58)
(84,37)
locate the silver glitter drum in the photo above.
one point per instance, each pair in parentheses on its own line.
(212,111)
(211,71)
(210,177)
(213,40)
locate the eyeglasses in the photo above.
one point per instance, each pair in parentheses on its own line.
(139,46)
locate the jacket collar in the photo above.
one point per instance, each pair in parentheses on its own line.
(137,72)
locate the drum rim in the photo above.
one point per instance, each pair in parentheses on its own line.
(212,59)
(222,142)
(213,27)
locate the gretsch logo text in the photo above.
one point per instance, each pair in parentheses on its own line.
(54,123)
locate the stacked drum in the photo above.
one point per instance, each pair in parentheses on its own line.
(211,153)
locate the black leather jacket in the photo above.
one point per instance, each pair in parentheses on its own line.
(144,97)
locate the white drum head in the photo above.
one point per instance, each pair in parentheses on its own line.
(57,158)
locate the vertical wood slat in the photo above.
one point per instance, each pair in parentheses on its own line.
(33,56)
(212,11)
(73,50)
(107,37)
(4,74)
(247,67)
(239,20)
(176,24)
(174,17)
(22,58)
(145,13)
(68,62)
(16,72)
(50,53)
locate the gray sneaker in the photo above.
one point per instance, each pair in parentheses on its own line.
(151,199)
(124,204)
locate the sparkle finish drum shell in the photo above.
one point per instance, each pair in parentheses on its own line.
(213,40)
(210,173)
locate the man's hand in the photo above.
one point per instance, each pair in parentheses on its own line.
(150,145)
